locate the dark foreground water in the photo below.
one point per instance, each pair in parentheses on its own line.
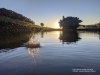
(61,53)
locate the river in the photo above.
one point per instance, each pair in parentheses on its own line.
(61,53)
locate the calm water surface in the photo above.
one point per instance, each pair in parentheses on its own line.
(60,53)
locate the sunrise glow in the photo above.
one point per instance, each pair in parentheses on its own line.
(57,25)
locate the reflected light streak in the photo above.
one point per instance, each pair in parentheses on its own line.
(34,52)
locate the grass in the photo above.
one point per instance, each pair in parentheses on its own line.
(17,25)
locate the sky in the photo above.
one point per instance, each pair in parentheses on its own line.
(51,11)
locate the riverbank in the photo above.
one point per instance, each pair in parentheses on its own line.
(88,29)
(11,21)
(15,25)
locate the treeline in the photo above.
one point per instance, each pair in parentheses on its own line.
(98,24)
(90,27)
(14,15)
(15,22)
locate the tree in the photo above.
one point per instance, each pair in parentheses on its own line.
(63,17)
(42,24)
(69,22)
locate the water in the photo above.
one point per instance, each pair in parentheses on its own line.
(60,53)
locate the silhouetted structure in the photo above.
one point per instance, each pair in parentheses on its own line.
(69,22)
(69,36)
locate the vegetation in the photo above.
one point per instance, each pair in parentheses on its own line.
(69,22)
(90,27)
(14,15)
(98,25)
(42,24)
(12,21)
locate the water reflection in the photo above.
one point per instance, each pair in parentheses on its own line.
(69,36)
(35,54)
(11,41)
(99,35)
(33,47)
(42,34)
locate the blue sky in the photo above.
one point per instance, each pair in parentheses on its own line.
(51,11)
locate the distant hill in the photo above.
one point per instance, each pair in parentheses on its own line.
(14,15)
(11,21)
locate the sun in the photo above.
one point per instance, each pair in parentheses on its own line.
(57,25)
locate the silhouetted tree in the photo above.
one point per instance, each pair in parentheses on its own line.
(42,24)
(63,17)
(69,22)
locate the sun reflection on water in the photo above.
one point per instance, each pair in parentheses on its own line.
(35,54)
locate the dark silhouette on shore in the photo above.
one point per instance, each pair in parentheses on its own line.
(69,23)
(69,36)
(42,24)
